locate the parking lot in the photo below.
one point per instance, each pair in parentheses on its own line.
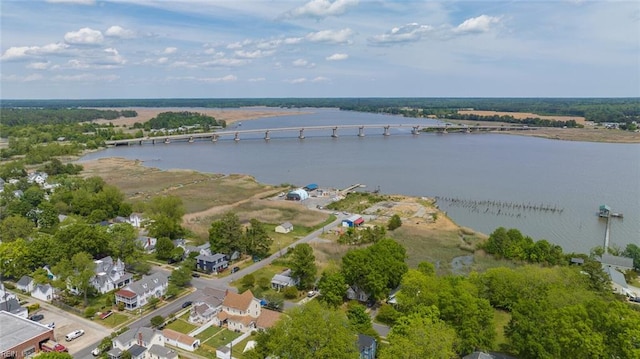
(65,323)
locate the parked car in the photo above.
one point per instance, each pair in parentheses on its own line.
(95,352)
(235,269)
(74,335)
(195,275)
(51,325)
(311,293)
(36,317)
(186,304)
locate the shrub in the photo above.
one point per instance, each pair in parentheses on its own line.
(9,285)
(290,292)
(387,314)
(33,307)
(120,306)
(90,312)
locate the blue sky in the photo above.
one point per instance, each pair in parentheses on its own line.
(320,48)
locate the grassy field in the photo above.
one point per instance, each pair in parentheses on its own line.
(501,318)
(208,347)
(182,326)
(114,320)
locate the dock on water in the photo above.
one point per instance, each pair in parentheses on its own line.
(604,211)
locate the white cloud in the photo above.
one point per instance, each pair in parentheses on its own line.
(321,8)
(238,45)
(119,32)
(85,78)
(228,78)
(84,36)
(303,63)
(162,60)
(481,23)
(405,33)
(39,65)
(297,81)
(113,57)
(337,57)
(257,79)
(18,78)
(226,62)
(33,77)
(170,50)
(78,2)
(292,40)
(21,52)
(252,54)
(332,36)
(320,79)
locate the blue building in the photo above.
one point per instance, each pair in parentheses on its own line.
(367,346)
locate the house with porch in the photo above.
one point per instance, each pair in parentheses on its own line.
(243,313)
(283,280)
(110,275)
(137,294)
(207,306)
(212,263)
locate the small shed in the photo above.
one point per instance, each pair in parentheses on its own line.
(353,221)
(297,195)
(25,284)
(285,227)
(604,210)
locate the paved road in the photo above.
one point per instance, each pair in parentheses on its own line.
(202,282)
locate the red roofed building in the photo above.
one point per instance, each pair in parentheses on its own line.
(129,298)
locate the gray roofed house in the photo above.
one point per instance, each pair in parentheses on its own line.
(285,227)
(207,306)
(621,263)
(137,351)
(367,346)
(142,336)
(618,282)
(110,275)
(138,293)
(25,284)
(43,292)
(13,306)
(283,280)
(160,352)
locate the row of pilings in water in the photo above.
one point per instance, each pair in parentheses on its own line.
(500,208)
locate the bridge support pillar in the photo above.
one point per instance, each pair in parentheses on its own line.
(386,130)
(301,136)
(236,137)
(335,132)
(361,131)
(167,140)
(416,130)
(140,142)
(468,130)
(153,142)
(266,136)
(214,138)
(191,139)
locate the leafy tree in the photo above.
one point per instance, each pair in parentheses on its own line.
(166,213)
(290,292)
(14,227)
(633,251)
(257,241)
(394,222)
(225,235)
(81,237)
(420,337)
(248,281)
(275,300)
(12,258)
(123,243)
(163,226)
(388,314)
(83,270)
(181,277)
(47,217)
(164,247)
(332,287)
(359,319)
(153,302)
(303,265)
(298,335)
(427,268)
(157,321)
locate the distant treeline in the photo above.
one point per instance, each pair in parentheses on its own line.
(533,121)
(593,109)
(178,119)
(53,116)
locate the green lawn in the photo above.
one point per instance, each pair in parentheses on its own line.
(208,347)
(181,326)
(238,348)
(114,320)
(208,333)
(501,318)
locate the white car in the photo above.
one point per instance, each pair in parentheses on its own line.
(95,352)
(74,334)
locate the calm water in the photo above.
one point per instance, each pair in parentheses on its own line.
(573,178)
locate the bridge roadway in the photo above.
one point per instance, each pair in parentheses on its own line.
(235,134)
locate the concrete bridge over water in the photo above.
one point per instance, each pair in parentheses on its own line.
(332,130)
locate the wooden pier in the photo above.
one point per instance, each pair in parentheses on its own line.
(604,211)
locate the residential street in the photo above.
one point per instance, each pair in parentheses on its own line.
(200,283)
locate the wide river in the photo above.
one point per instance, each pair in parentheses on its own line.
(548,189)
